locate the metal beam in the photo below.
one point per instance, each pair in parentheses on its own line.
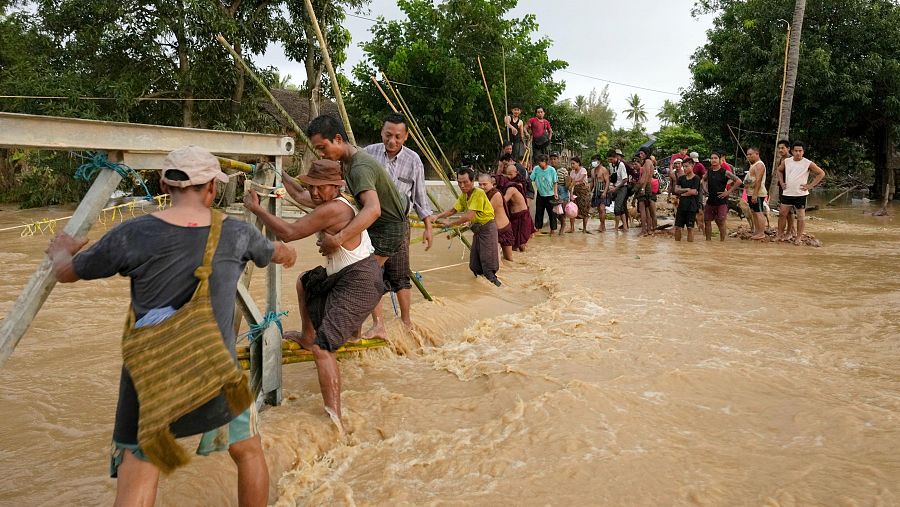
(55,133)
(19,317)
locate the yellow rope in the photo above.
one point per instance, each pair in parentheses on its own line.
(48,225)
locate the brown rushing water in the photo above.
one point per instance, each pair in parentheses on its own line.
(607,371)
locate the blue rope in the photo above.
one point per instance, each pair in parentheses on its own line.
(256,330)
(98,160)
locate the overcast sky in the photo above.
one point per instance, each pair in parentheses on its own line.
(645,43)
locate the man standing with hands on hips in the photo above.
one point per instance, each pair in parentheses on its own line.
(793,176)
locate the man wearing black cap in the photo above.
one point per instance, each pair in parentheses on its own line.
(618,178)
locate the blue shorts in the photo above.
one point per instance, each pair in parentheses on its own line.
(242,427)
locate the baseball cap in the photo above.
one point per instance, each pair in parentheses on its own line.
(619,152)
(695,156)
(199,165)
(323,172)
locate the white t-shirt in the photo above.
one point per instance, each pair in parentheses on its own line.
(796,173)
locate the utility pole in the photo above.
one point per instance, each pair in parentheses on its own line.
(789,81)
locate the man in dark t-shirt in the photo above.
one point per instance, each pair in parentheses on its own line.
(160,253)
(719,184)
(687,188)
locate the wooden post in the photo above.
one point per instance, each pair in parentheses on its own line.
(271,346)
(264,377)
(326,57)
(43,280)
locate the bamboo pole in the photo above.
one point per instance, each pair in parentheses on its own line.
(505,98)
(842,194)
(418,132)
(436,143)
(326,57)
(262,86)
(420,140)
(41,283)
(490,100)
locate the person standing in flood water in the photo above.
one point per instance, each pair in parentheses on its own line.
(476,209)
(755,183)
(687,188)
(334,299)
(618,177)
(793,176)
(161,253)
(505,234)
(719,184)
(408,175)
(545,181)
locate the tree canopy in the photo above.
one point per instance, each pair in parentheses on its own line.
(432,55)
(847,99)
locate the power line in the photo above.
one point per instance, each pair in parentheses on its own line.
(41,97)
(620,83)
(361,17)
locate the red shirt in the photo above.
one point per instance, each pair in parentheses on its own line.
(699,169)
(727,167)
(538,126)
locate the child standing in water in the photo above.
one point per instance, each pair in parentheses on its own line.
(562,185)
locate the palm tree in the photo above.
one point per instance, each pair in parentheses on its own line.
(792,62)
(668,114)
(581,104)
(636,111)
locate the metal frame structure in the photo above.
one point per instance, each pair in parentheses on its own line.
(145,147)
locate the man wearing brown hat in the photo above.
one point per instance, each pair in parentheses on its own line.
(382,209)
(161,253)
(334,299)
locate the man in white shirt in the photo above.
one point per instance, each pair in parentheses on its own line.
(618,177)
(793,177)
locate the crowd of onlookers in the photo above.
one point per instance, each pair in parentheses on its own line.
(700,192)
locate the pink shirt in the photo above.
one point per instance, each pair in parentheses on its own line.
(538,126)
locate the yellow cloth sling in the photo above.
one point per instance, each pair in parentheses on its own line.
(179,364)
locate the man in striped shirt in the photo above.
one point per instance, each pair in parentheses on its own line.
(408,174)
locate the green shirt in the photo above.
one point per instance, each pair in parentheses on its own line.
(477,202)
(365,173)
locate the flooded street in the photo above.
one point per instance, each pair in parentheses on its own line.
(606,371)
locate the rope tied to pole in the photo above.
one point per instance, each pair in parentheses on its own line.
(98,160)
(256,330)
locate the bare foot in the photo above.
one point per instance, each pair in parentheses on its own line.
(297,337)
(376,331)
(758,238)
(570,231)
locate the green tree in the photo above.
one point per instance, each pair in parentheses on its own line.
(433,52)
(671,138)
(847,92)
(669,114)
(636,111)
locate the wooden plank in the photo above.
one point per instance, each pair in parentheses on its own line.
(271,346)
(254,316)
(55,133)
(43,280)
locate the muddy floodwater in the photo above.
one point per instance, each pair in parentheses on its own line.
(606,371)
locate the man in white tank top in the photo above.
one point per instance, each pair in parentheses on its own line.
(334,299)
(793,177)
